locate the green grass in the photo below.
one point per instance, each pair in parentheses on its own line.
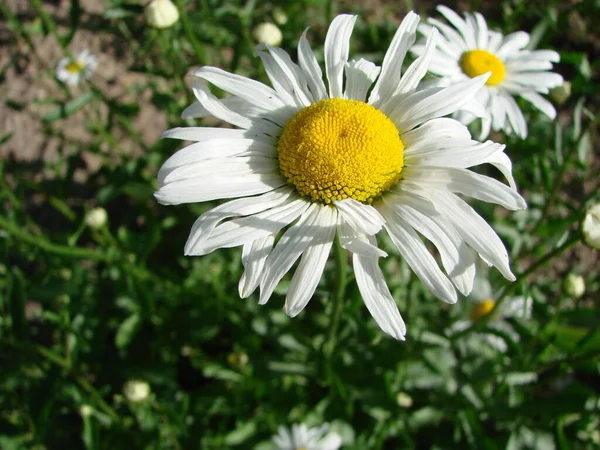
(83,310)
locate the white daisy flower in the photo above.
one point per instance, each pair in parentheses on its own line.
(365,154)
(468,49)
(303,438)
(483,302)
(72,71)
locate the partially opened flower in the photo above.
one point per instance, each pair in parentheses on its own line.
(300,437)
(312,162)
(483,301)
(468,49)
(72,71)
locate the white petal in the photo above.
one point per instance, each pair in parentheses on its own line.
(512,43)
(310,67)
(438,104)
(432,132)
(354,242)
(468,154)
(254,255)
(467,32)
(206,133)
(391,69)
(252,91)
(482,31)
(517,307)
(515,116)
(502,162)
(195,111)
(309,271)
(451,35)
(337,48)
(417,70)
(418,257)
(540,103)
(536,80)
(363,218)
(206,223)
(359,78)
(214,148)
(376,294)
(240,231)
(474,230)
(289,248)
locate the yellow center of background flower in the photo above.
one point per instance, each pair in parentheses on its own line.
(75,67)
(478,62)
(482,309)
(337,149)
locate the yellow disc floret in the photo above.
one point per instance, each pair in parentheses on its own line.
(478,62)
(75,67)
(337,149)
(482,309)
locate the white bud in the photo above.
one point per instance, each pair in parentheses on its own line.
(136,390)
(404,400)
(590,228)
(280,17)
(96,218)
(574,285)
(86,410)
(161,13)
(268,33)
(561,94)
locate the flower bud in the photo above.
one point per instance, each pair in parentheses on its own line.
(280,17)
(268,33)
(136,390)
(574,285)
(590,227)
(86,410)
(96,218)
(560,94)
(161,13)
(404,400)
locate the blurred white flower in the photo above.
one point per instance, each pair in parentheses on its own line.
(468,49)
(96,218)
(304,438)
(483,302)
(574,285)
(71,71)
(161,13)
(268,33)
(590,228)
(280,17)
(136,390)
(561,94)
(404,400)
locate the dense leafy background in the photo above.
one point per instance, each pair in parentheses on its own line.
(83,311)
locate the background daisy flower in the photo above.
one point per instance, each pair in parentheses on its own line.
(316,161)
(71,71)
(483,301)
(302,437)
(468,49)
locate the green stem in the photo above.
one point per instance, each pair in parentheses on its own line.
(58,249)
(341,264)
(200,55)
(483,321)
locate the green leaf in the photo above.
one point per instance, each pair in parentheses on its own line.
(127,330)
(68,108)
(241,433)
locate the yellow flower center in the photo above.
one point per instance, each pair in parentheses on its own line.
(478,62)
(337,149)
(482,309)
(75,67)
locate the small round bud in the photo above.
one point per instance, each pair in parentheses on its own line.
(574,285)
(237,359)
(96,218)
(560,94)
(404,400)
(280,17)
(590,227)
(161,13)
(136,390)
(268,33)
(86,410)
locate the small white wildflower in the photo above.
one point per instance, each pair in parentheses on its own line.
(574,285)
(590,228)
(96,218)
(268,33)
(71,71)
(302,437)
(280,17)
(161,13)
(136,390)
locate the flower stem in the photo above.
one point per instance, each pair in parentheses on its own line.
(341,264)
(200,55)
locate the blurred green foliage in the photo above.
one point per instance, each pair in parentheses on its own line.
(84,310)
